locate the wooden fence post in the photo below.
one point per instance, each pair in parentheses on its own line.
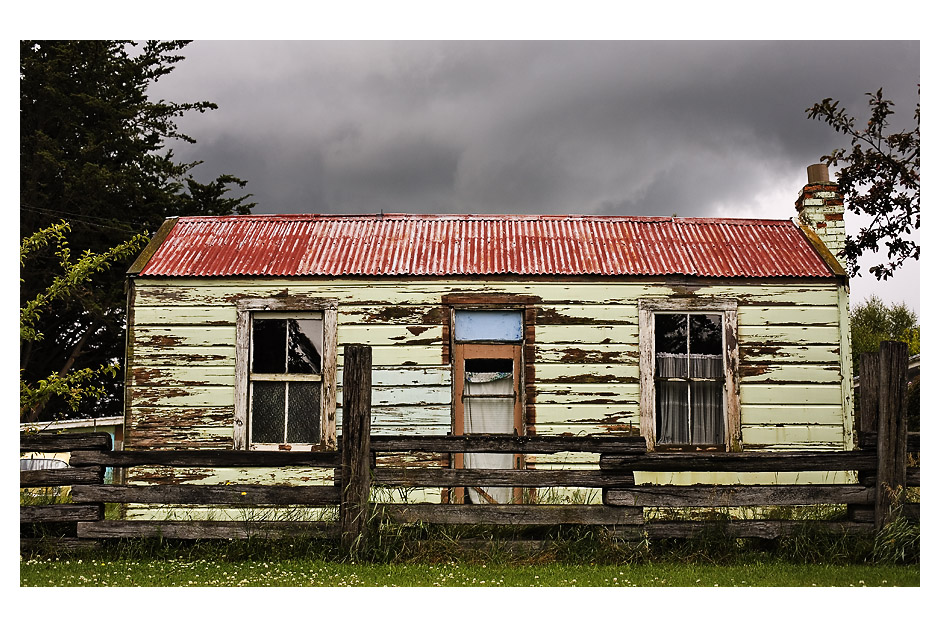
(892,428)
(356,458)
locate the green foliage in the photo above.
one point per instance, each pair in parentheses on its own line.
(95,151)
(73,385)
(873,322)
(880,178)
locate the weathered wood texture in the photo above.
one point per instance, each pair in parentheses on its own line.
(60,477)
(207,458)
(450,477)
(247,495)
(356,457)
(207,530)
(769,461)
(59,513)
(892,427)
(868,378)
(737,496)
(511,514)
(64,442)
(509,444)
(584,359)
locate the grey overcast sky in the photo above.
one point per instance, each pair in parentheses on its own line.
(696,128)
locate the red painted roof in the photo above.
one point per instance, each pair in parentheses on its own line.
(427,245)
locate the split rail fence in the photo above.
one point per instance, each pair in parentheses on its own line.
(882,461)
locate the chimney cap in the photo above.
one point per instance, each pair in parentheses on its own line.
(817,173)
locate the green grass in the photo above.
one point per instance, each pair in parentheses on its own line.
(44,571)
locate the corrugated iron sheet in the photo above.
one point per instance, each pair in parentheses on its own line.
(417,245)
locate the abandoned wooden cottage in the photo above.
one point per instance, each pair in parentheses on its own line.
(696,333)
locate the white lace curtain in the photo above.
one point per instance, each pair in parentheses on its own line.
(689,412)
(488,408)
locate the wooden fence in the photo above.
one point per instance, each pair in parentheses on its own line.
(881,461)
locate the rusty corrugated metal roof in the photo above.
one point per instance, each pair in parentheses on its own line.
(439,245)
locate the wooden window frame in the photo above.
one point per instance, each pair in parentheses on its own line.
(246,309)
(647,339)
(522,353)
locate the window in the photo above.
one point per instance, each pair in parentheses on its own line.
(688,366)
(488,391)
(285,375)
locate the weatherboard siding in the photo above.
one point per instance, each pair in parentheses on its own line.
(793,344)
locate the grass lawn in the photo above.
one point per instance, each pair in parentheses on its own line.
(314,572)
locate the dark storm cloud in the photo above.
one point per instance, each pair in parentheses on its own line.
(570,127)
(641,128)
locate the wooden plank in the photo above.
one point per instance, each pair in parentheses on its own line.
(575,393)
(153,356)
(61,477)
(791,373)
(788,334)
(207,458)
(449,477)
(810,394)
(892,427)
(407,396)
(206,529)
(182,396)
(768,352)
(177,336)
(768,529)
(189,375)
(778,415)
(580,314)
(808,435)
(737,495)
(702,461)
(868,374)
(508,444)
(64,442)
(568,373)
(913,477)
(169,315)
(571,353)
(417,355)
(390,335)
(434,513)
(59,513)
(751,315)
(586,334)
(355,480)
(208,494)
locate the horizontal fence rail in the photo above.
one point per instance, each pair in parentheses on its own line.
(625,506)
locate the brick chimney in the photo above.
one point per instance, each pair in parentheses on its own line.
(821,207)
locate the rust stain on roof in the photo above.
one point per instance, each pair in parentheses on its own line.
(440,245)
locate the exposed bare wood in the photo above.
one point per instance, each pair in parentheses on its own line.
(892,426)
(59,513)
(206,529)
(60,477)
(737,496)
(207,458)
(356,457)
(869,369)
(64,442)
(208,494)
(518,478)
(768,461)
(435,513)
(508,444)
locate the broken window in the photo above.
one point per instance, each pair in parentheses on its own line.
(687,374)
(287,371)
